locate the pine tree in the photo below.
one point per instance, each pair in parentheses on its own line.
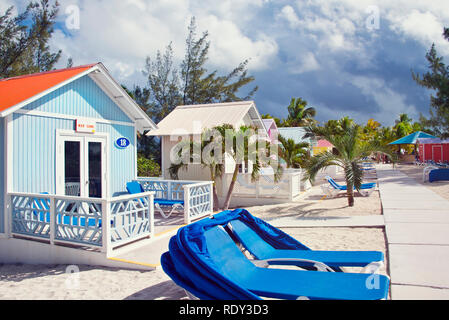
(24,39)
(437,79)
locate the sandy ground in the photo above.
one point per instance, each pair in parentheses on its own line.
(313,204)
(56,282)
(53,282)
(28,282)
(415,172)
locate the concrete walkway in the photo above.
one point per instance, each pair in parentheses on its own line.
(307,222)
(417,229)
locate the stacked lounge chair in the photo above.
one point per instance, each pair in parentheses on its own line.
(206,261)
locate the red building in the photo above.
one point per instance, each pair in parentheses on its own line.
(433,149)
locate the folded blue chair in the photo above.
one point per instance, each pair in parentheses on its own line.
(335,188)
(135,187)
(263,251)
(207,259)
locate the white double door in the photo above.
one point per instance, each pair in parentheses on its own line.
(81,165)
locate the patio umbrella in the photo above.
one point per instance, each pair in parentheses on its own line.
(412,138)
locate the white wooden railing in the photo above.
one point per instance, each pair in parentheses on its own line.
(84,222)
(288,187)
(196,195)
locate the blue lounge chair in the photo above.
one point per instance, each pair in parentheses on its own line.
(216,267)
(439,175)
(334,188)
(135,187)
(367,166)
(266,253)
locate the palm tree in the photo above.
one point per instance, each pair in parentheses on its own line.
(244,149)
(224,139)
(215,166)
(403,126)
(331,127)
(350,154)
(293,153)
(299,114)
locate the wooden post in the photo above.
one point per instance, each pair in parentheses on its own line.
(106,228)
(187,219)
(8,216)
(52,220)
(211,197)
(151,213)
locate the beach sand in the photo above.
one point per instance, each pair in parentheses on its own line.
(44,282)
(52,282)
(313,204)
(415,172)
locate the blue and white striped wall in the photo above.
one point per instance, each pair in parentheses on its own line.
(2,174)
(34,136)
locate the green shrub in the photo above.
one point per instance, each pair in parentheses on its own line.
(147,167)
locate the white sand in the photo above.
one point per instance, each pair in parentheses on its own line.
(30,282)
(314,204)
(52,282)
(415,172)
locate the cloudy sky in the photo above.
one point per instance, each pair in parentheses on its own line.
(346,57)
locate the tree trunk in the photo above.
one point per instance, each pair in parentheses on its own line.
(231,187)
(350,194)
(214,190)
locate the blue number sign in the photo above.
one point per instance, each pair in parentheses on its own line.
(122,143)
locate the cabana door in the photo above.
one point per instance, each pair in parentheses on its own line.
(437,153)
(81,169)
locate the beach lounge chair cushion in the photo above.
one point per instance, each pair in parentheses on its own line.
(134,187)
(224,258)
(164,202)
(262,250)
(211,249)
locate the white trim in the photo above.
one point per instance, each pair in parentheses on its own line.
(433,152)
(8,167)
(162,156)
(84,138)
(71,117)
(135,152)
(102,70)
(129,100)
(44,93)
(110,94)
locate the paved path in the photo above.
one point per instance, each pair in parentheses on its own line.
(417,229)
(349,221)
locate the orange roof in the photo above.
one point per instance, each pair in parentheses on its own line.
(18,89)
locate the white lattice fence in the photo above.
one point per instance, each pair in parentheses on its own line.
(85,222)
(30,216)
(198,201)
(197,196)
(131,218)
(79,220)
